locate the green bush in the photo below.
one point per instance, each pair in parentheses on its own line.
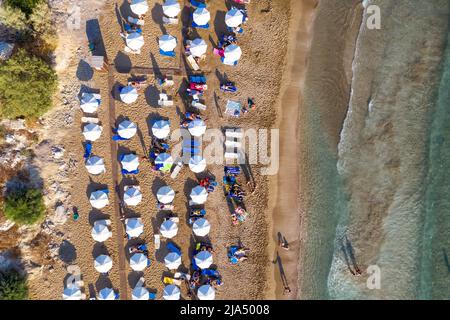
(13,286)
(14,19)
(27,85)
(24,206)
(26,6)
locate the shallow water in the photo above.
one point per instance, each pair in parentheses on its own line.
(381,200)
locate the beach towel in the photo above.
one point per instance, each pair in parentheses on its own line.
(87,150)
(173,248)
(194,265)
(210,273)
(232,170)
(197,79)
(129,29)
(167,53)
(130,172)
(152,296)
(198,4)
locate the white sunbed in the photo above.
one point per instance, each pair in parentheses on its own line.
(233,144)
(234,133)
(89,120)
(176,171)
(194,65)
(164,100)
(157,238)
(175,219)
(198,105)
(167,20)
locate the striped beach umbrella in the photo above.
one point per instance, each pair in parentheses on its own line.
(165,194)
(201,16)
(206,292)
(167,42)
(168,229)
(128,94)
(132,196)
(172,260)
(197,164)
(95,165)
(106,294)
(203,259)
(138,261)
(103,263)
(139,7)
(199,195)
(198,47)
(171,292)
(134,227)
(99,199)
(126,129)
(140,293)
(201,227)
(92,131)
(171,8)
(161,129)
(234,18)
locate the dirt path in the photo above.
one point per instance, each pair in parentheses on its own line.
(117,201)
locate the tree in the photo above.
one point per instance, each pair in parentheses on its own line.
(27,85)
(24,206)
(14,19)
(13,286)
(26,6)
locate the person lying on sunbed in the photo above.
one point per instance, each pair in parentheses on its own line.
(195,214)
(250,105)
(138,84)
(141,248)
(195,280)
(209,184)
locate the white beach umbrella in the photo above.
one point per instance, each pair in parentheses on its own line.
(232,53)
(138,261)
(139,6)
(132,196)
(140,293)
(197,127)
(172,260)
(234,18)
(167,42)
(203,259)
(134,227)
(165,194)
(128,94)
(171,8)
(165,160)
(72,293)
(106,294)
(197,164)
(95,165)
(103,263)
(168,229)
(171,292)
(161,129)
(199,195)
(201,227)
(100,231)
(206,292)
(198,47)
(126,129)
(89,102)
(201,16)
(134,41)
(130,162)
(92,131)
(99,199)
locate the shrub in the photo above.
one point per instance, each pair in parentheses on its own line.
(43,28)
(24,206)
(26,6)
(13,286)
(27,84)
(14,19)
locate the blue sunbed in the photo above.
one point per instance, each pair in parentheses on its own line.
(116,137)
(197,79)
(173,248)
(210,272)
(198,4)
(130,172)
(87,150)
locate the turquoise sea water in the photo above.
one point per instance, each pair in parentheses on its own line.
(387,189)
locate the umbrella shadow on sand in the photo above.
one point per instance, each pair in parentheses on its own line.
(157,15)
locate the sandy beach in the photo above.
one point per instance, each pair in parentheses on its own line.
(257,75)
(287,205)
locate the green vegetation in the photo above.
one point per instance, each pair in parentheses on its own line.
(26,6)
(27,84)
(24,206)
(35,31)
(13,286)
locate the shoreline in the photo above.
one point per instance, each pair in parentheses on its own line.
(281,204)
